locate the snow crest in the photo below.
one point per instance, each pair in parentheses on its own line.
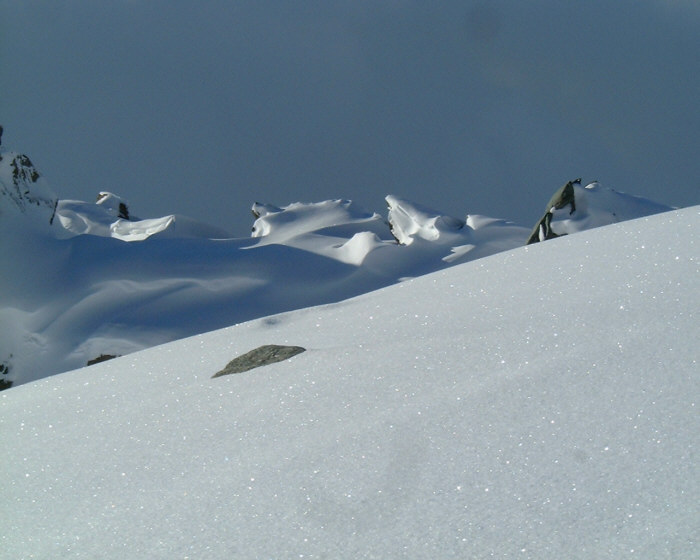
(574,208)
(410,221)
(339,218)
(101,281)
(598,205)
(109,216)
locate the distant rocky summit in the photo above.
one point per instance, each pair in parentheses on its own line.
(23,190)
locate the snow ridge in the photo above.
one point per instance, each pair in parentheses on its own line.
(100,281)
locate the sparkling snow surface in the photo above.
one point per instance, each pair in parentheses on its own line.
(540,403)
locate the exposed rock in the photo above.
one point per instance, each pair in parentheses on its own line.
(561,199)
(101,358)
(4,370)
(24,188)
(261,356)
(114,204)
(575,208)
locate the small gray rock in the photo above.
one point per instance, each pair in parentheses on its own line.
(261,356)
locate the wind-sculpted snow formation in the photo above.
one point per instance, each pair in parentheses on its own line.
(81,280)
(109,217)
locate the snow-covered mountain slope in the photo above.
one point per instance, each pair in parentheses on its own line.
(83,281)
(540,404)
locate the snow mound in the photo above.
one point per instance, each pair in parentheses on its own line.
(410,221)
(114,204)
(356,249)
(339,218)
(597,205)
(110,217)
(574,208)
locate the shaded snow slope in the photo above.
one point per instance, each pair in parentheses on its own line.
(486,410)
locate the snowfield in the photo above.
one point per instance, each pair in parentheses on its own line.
(539,403)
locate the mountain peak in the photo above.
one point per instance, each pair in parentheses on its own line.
(23,189)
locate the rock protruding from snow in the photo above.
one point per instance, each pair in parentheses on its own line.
(574,208)
(114,204)
(23,189)
(261,356)
(563,198)
(5,383)
(409,221)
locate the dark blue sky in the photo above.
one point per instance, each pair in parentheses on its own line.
(203,108)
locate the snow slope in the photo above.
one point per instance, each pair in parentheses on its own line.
(84,280)
(539,403)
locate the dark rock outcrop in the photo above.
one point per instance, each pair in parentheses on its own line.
(561,199)
(261,356)
(101,358)
(24,188)
(5,383)
(115,204)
